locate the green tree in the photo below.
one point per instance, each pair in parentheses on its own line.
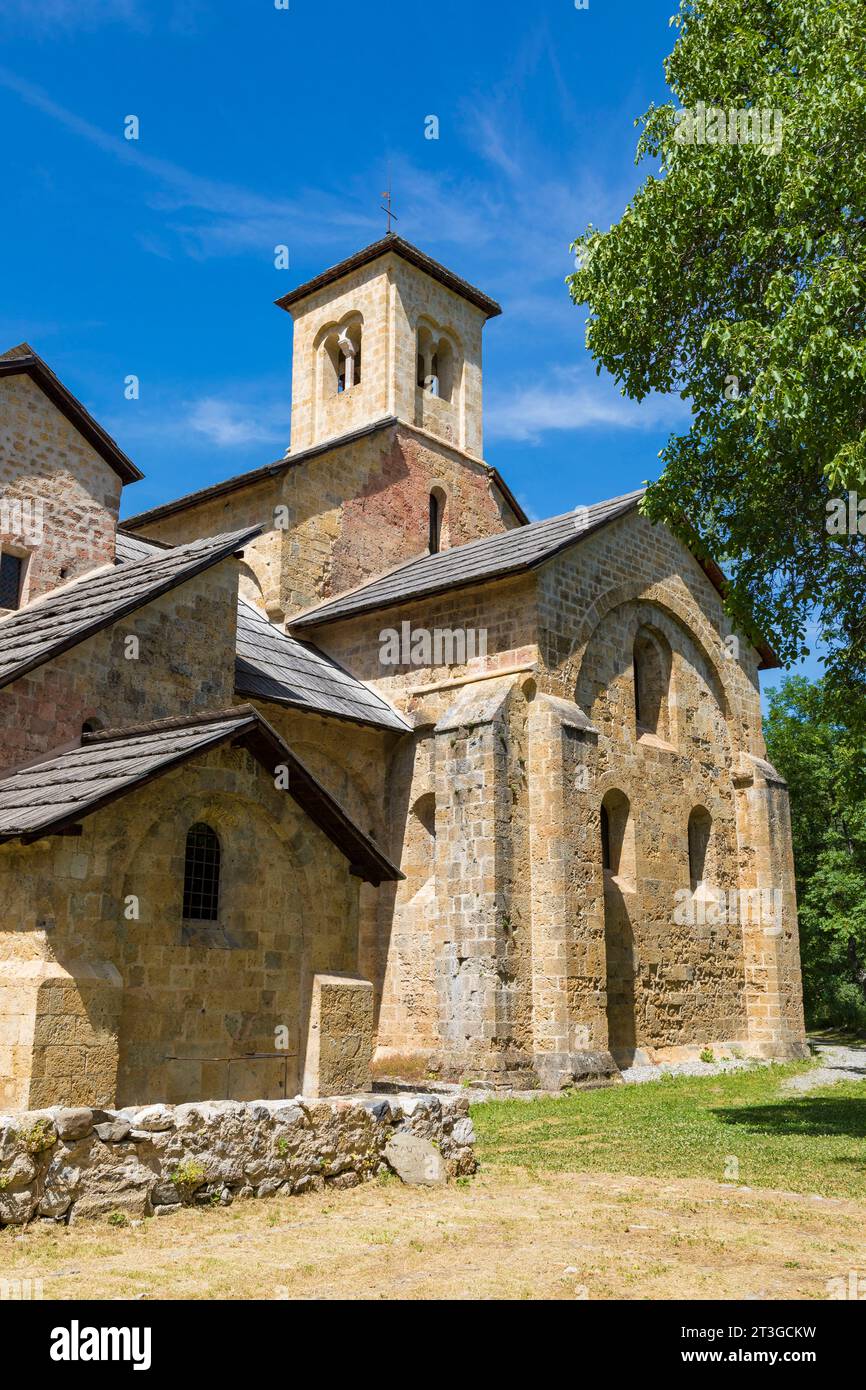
(737,278)
(815,740)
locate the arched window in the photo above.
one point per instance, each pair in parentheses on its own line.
(617,835)
(11,579)
(91,726)
(435,364)
(605,839)
(651,669)
(444,369)
(700,830)
(201,874)
(437,512)
(341,359)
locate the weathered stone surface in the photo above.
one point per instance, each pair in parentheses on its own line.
(152,1118)
(415,1160)
(517,948)
(463,1133)
(74,1123)
(113,1131)
(16,1208)
(213,1152)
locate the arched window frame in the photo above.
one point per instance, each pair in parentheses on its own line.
(341,347)
(699,834)
(436,520)
(651,677)
(616,832)
(438,359)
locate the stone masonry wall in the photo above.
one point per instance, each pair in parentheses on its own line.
(71,1164)
(107,996)
(352,512)
(44,710)
(45,461)
(610,965)
(673,985)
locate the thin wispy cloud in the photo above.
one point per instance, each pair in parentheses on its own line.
(572,401)
(227,426)
(53,18)
(239,217)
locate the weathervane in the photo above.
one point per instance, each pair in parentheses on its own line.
(392,216)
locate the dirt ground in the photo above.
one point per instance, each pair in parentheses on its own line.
(505,1234)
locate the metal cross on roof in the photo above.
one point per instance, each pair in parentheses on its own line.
(392,216)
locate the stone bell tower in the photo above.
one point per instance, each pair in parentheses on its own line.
(388,333)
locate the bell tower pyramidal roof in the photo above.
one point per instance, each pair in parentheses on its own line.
(388,333)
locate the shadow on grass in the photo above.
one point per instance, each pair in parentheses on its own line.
(813,1115)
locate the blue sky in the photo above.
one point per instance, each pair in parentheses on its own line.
(262,126)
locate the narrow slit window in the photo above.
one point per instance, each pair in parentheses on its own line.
(435,523)
(605,839)
(700,830)
(201,878)
(11,574)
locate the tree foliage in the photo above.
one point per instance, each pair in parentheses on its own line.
(737,278)
(815,740)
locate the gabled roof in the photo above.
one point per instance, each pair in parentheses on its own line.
(394,245)
(23,360)
(492,557)
(263,474)
(128,548)
(273,666)
(52,796)
(51,625)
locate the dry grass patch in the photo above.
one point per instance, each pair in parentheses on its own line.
(506,1235)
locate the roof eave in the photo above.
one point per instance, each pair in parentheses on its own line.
(77,414)
(131,606)
(365,858)
(392,245)
(286,702)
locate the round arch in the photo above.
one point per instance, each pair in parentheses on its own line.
(685,615)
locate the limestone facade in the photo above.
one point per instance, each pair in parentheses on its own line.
(595,857)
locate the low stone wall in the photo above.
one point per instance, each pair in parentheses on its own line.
(68,1164)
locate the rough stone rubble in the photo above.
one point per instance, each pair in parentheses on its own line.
(69,1164)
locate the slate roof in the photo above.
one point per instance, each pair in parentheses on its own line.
(273,666)
(53,624)
(22,360)
(492,557)
(254,476)
(53,795)
(128,548)
(392,244)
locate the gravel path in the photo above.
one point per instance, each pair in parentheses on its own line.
(838,1063)
(635,1075)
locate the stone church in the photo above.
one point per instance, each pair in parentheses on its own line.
(341,768)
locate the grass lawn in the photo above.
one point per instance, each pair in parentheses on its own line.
(616,1194)
(691,1127)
